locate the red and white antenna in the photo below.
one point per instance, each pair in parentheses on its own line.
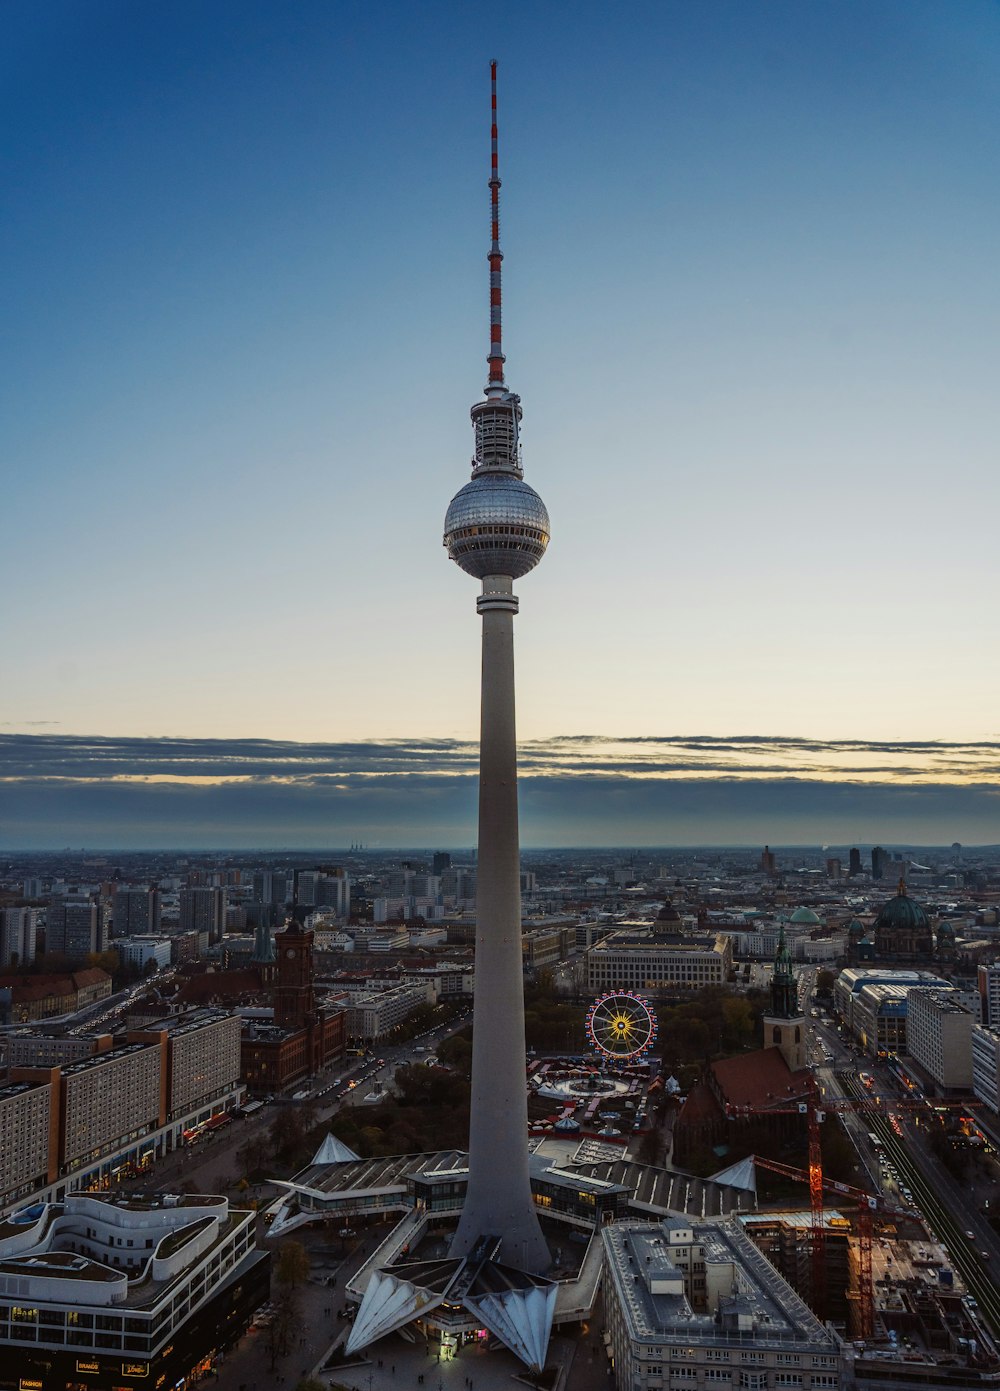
(495,385)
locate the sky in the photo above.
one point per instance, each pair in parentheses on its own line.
(750,306)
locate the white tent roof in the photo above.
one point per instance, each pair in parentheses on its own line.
(334,1151)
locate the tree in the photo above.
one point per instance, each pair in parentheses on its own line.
(293,1264)
(284,1326)
(310,1384)
(737,1022)
(824,982)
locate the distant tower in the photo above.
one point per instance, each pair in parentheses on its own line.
(768,863)
(496,530)
(784,1023)
(855,864)
(294,1001)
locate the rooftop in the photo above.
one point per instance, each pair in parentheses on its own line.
(765,1311)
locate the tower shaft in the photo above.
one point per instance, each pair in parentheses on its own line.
(499,1200)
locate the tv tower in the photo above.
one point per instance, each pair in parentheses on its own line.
(496,529)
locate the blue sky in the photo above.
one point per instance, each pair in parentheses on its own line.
(751,306)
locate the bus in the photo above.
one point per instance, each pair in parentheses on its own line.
(874,1141)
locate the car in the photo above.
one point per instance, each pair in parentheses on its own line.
(971,1235)
(985,1255)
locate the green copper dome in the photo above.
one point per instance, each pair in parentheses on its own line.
(855,928)
(806,915)
(902,912)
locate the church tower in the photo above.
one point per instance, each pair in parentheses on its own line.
(784,1023)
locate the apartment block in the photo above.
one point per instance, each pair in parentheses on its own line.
(28,1138)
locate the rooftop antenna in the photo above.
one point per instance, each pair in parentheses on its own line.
(495,385)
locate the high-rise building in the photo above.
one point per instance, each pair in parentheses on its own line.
(273,886)
(17,935)
(768,864)
(74,928)
(203,910)
(881,860)
(334,891)
(136,912)
(988,981)
(854,863)
(441,862)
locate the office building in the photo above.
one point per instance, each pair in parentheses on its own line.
(144,953)
(639,958)
(881,861)
(135,911)
(986,1066)
(939,1038)
(988,982)
(697,1304)
(203,910)
(73,928)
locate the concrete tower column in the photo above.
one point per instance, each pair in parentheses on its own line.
(499,1201)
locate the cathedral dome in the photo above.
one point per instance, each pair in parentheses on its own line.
(902,913)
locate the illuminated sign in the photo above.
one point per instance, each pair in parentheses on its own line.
(88,1366)
(26,1384)
(135,1369)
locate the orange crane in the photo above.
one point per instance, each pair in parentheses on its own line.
(814,1108)
(868,1204)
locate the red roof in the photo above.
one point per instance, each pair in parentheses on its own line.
(699,1105)
(761,1080)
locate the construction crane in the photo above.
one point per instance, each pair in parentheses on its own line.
(814,1108)
(868,1204)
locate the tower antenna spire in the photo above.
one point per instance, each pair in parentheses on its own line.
(495,385)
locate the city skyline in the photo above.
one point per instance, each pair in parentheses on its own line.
(751,283)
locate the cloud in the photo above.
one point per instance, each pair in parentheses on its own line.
(62,790)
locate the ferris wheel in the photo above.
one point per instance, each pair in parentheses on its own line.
(621,1026)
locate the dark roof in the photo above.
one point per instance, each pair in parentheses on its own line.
(219,985)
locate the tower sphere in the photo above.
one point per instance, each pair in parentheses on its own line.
(496,525)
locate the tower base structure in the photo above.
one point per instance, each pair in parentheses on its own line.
(478,1290)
